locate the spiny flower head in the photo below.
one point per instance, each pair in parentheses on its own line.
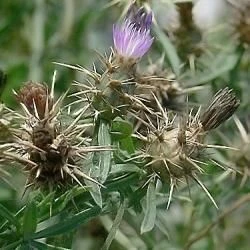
(132,37)
(51,149)
(176,149)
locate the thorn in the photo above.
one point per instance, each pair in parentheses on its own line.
(80,173)
(205,190)
(242,130)
(38,172)
(171,192)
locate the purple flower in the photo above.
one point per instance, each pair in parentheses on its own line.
(132,38)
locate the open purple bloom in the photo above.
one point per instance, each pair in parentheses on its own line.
(132,38)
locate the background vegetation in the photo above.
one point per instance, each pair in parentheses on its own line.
(34,34)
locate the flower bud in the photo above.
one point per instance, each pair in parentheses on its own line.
(132,37)
(35,96)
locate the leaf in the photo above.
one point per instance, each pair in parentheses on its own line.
(24,246)
(42,246)
(150,212)
(63,201)
(4,212)
(29,219)
(69,224)
(95,191)
(120,129)
(105,157)
(128,145)
(169,49)
(12,246)
(136,197)
(125,168)
(115,226)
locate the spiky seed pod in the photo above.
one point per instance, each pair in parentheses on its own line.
(240,19)
(176,150)
(49,149)
(174,147)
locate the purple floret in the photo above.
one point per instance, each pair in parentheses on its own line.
(132,38)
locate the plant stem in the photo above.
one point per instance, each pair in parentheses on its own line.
(226,212)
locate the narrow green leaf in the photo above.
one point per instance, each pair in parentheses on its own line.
(43,246)
(150,212)
(46,200)
(69,224)
(169,49)
(105,157)
(95,191)
(115,226)
(75,191)
(125,168)
(93,171)
(12,246)
(17,216)
(4,212)
(29,219)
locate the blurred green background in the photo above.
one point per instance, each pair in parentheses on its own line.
(33,34)
(36,33)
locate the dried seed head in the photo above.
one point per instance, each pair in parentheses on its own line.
(222,107)
(157,79)
(35,97)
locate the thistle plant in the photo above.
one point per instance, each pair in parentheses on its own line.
(49,150)
(130,136)
(176,149)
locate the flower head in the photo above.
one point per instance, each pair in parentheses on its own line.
(132,38)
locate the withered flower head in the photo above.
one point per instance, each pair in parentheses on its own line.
(222,107)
